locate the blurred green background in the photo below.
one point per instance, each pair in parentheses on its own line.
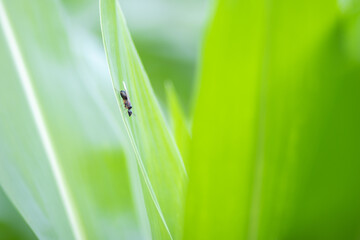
(12,225)
(61,41)
(167,35)
(261,97)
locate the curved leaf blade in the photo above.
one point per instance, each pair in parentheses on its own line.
(289,140)
(159,160)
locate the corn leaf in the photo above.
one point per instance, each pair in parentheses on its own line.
(12,225)
(160,163)
(178,122)
(62,162)
(275,132)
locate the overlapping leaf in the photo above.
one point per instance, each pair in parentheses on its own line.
(276,132)
(159,161)
(62,162)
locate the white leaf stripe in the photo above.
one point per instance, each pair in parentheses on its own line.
(40,123)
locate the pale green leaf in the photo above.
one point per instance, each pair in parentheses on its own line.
(62,162)
(12,225)
(159,161)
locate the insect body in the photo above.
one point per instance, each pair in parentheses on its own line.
(127,103)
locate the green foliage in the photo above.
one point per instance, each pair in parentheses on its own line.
(61,154)
(12,226)
(281,163)
(160,163)
(272,149)
(178,122)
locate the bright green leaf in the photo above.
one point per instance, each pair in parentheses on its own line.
(275,135)
(178,122)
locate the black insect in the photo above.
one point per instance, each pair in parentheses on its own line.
(127,103)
